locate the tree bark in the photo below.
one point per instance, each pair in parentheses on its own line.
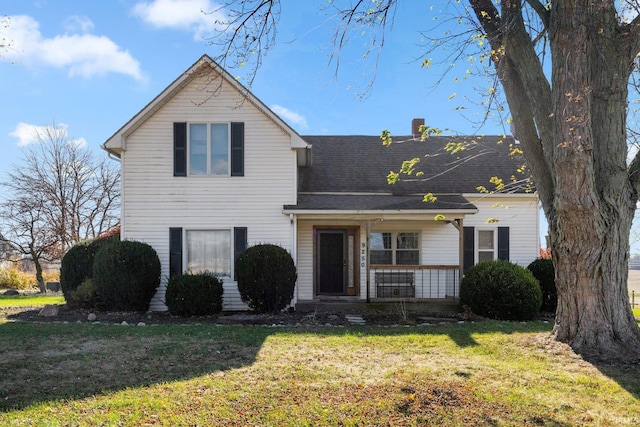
(39,276)
(573,132)
(594,201)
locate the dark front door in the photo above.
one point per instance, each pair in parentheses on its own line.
(331,262)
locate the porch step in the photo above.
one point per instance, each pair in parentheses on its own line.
(355,319)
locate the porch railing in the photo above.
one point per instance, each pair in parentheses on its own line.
(415,281)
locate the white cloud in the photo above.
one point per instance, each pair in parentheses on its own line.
(197,16)
(289,116)
(84,55)
(29,134)
(78,23)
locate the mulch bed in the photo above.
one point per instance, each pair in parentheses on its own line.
(293,318)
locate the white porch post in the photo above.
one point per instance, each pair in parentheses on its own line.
(367,269)
(459,225)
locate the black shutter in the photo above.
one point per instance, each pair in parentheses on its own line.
(179,149)
(239,244)
(468,248)
(237,149)
(503,243)
(175,251)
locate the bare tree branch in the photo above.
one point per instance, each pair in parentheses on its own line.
(56,196)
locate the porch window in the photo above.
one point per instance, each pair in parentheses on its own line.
(209,149)
(209,250)
(486,246)
(407,251)
(395,248)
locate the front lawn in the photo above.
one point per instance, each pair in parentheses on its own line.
(485,373)
(30,300)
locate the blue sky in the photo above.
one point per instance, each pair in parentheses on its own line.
(89,66)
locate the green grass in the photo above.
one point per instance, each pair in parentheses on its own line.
(486,373)
(30,300)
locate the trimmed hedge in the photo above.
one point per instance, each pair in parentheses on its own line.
(84,296)
(544,271)
(77,266)
(266,277)
(197,294)
(126,274)
(501,290)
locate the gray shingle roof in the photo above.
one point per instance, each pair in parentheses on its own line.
(359,202)
(350,172)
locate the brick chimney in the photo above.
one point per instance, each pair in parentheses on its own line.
(415,127)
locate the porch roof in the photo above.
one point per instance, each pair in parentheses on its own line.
(389,203)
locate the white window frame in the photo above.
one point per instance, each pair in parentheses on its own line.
(394,246)
(208,155)
(493,250)
(185,249)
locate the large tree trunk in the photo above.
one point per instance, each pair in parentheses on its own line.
(593,201)
(573,133)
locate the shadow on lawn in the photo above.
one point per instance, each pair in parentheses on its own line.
(42,362)
(51,361)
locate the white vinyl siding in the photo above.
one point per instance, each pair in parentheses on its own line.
(520,214)
(153,200)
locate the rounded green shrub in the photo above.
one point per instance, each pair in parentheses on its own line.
(197,294)
(126,274)
(542,269)
(501,290)
(77,265)
(266,277)
(84,296)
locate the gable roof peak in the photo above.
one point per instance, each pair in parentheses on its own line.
(117,142)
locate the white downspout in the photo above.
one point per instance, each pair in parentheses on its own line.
(294,252)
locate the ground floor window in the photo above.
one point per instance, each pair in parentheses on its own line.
(402,248)
(486,246)
(209,250)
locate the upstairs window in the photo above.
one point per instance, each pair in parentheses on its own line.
(209,149)
(395,248)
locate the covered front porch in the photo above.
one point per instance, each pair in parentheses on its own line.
(378,259)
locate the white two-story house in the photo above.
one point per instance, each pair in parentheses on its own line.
(208,170)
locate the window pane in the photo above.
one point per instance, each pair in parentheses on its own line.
(210,251)
(219,149)
(485,239)
(381,257)
(408,257)
(407,241)
(197,149)
(380,241)
(485,256)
